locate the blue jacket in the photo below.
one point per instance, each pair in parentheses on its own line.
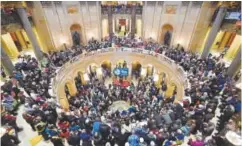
(140,131)
(85,136)
(180,136)
(167,143)
(132,109)
(96,127)
(185,129)
(160,97)
(133,140)
(18,76)
(238,107)
(51,132)
(74,128)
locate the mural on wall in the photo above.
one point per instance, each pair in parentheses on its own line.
(72,10)
(171,9)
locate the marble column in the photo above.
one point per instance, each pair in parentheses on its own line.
(6,62)
(236,64)
(110,21)
(28,28)
(133,21)
(213,32)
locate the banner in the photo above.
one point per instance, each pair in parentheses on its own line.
(123,72)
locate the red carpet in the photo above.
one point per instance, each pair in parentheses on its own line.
(124,84)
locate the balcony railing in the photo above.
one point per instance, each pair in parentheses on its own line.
(121,9)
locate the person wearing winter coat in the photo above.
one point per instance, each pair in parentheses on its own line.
(142,142)
(51,130)
(97,138)
(56,140)
(96,127)
(122,137)
(29,119)
(197,142)
(8,139)
(179,136)
(186,130)
(64,133)
(133,140)
(208,116)
(167,118)
(74,139)
(11,121)
(74,127)
(85,138)
(40,128)
(208,128)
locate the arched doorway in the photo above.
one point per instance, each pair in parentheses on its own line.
(106,68)
(92,70)
(166,34)
(70,88)
(76,34)
(79,80)
(150,70)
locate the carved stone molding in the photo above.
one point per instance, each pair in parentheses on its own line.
(185,3)
(46,3)
(58,3)
(197,3)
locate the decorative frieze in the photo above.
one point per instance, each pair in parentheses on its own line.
(46,3)
(197,3)
(185,3)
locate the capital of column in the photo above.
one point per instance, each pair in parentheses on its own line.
(20,5)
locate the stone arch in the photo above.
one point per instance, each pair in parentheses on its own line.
(106,64)
(76,34)
(136,66)
(70,83)
(164,77)
(164,29)
(150,69)
(106,68)
(92,67)
(80,73)
(82,64)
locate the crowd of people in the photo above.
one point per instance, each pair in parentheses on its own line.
(151,120)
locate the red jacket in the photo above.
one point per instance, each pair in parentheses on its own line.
(63,125)
(9,117)
(65,134)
